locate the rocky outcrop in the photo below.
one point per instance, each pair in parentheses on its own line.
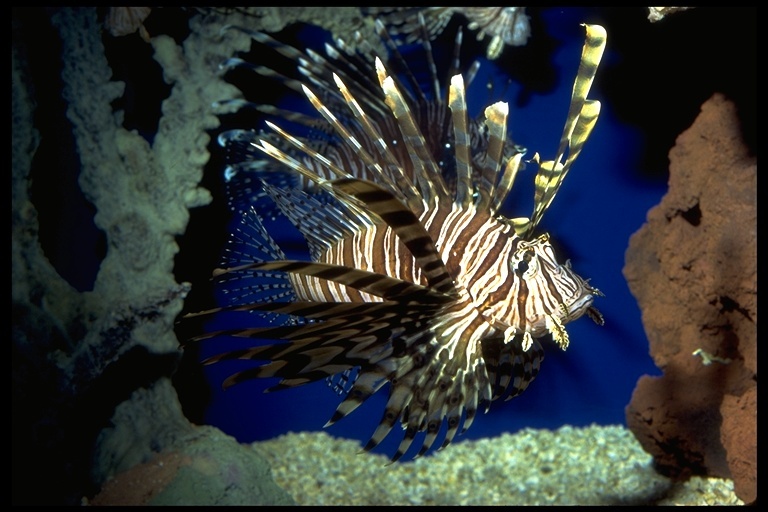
(91,368)
(693,270)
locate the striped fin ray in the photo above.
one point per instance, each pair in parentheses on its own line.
(420,104)
(319,350)
(351,73)
(401,374)
(264,71)
(443,377)
(307,309)
(492,186)
(354,340)
(350,139)
(426,413)
(386,287)
(314,168)
(332,315)
(507,180)
(302,169)
(364,86)
(451,410)
(321,223)
(496,122)
(289,115)
(403,20)
(314,232)
(582,116)
(416,239)
(455,66)
(391,210)
(397,179)
(287,51)
(437,96)
(379,374)
(458,106)
(594,46)
(250,241)
(423,394)
(338,171)
(510,368)
(246,170)
(398,58)
(428,175)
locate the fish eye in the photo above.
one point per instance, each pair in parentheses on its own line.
(522,265)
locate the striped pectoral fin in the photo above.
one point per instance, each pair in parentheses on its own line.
(332,312)
(367,311)
(277,332)
(358,326)
(470,388)
(432,429)
(426,402)
(302,335)
(309,367)
(314,352)
(448,405)
(480,393)
(366,385)
(510,368)
(399,396)
(369,282)
(407,227)
(350,335)
(375,311)
(403,373)
(408,437)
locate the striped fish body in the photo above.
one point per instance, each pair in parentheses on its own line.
(416,280)
(483,257)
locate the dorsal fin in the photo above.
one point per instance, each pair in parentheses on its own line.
(458,105)
(425,169)
(582,116)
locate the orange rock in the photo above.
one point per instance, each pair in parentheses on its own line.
(693,270)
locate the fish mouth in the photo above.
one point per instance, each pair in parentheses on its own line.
(573,310)
(579,306)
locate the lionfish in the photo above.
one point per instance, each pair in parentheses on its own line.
(415,280)
(504,25)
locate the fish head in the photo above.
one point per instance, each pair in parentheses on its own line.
(549,293)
